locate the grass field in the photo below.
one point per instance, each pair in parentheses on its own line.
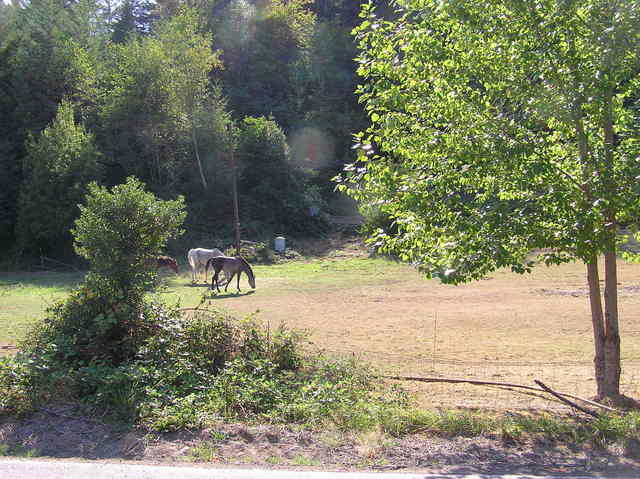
(507,328)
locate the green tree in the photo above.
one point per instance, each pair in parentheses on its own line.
(56,171)
(190,61)
(10,146)
(503,128)
(34,63)
(273,194)
(266,52)
(152,94)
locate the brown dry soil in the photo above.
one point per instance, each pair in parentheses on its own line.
(59,432)
(503,329)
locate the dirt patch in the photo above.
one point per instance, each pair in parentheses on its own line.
(336,245)
(622,291)
(58,431)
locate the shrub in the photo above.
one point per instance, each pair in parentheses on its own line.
(119,230)
(15,387)
(253,253)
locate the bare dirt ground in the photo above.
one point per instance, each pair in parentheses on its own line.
(507,328)
(60,432)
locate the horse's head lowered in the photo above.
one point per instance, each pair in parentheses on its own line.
(168,261)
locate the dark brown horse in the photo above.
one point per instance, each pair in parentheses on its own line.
(164,261)
(231,266)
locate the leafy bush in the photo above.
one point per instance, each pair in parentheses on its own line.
(15,387)
(254,253)
(119,230)
(95,323)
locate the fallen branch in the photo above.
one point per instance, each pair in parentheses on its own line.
(501,384)
(565,400)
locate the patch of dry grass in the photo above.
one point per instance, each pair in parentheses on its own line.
(507,328)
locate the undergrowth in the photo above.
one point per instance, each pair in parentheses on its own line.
(186,371)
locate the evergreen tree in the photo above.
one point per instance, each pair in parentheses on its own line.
(58,167)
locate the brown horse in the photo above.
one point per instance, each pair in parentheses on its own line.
(164,261)
(230,266)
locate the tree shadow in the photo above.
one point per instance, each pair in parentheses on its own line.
(44,279)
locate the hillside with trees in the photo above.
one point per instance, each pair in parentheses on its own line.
(169,91)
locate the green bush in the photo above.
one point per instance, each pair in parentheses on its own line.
(118,231)
(254,253)
(16,387)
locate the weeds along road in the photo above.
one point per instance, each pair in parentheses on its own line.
(39,469)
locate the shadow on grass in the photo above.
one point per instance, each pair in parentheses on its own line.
(44,279)
(236,294)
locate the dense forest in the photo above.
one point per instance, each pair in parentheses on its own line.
(174,93)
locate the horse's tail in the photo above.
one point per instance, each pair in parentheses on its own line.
(209,262)
(191,259)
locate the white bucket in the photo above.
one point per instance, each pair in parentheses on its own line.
(279,244)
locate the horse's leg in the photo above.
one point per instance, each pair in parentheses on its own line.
(229,280)
(214,279)
(218,269)
(238,285)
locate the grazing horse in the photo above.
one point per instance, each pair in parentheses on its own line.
(163,261)
(198,258)
(230,266)
(168,262)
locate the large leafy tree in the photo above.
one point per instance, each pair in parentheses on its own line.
(266,51)
(149,101)
(191,60)
(502,128)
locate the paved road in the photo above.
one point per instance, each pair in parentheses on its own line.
(39,469)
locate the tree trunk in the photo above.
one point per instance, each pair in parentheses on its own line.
(236,213)
(606,334)
(597,320)
(612,333)
(611,385)
(199,163)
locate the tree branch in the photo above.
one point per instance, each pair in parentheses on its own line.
(542,388)
(564,400)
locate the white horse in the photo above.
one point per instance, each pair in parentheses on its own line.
(198,258)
